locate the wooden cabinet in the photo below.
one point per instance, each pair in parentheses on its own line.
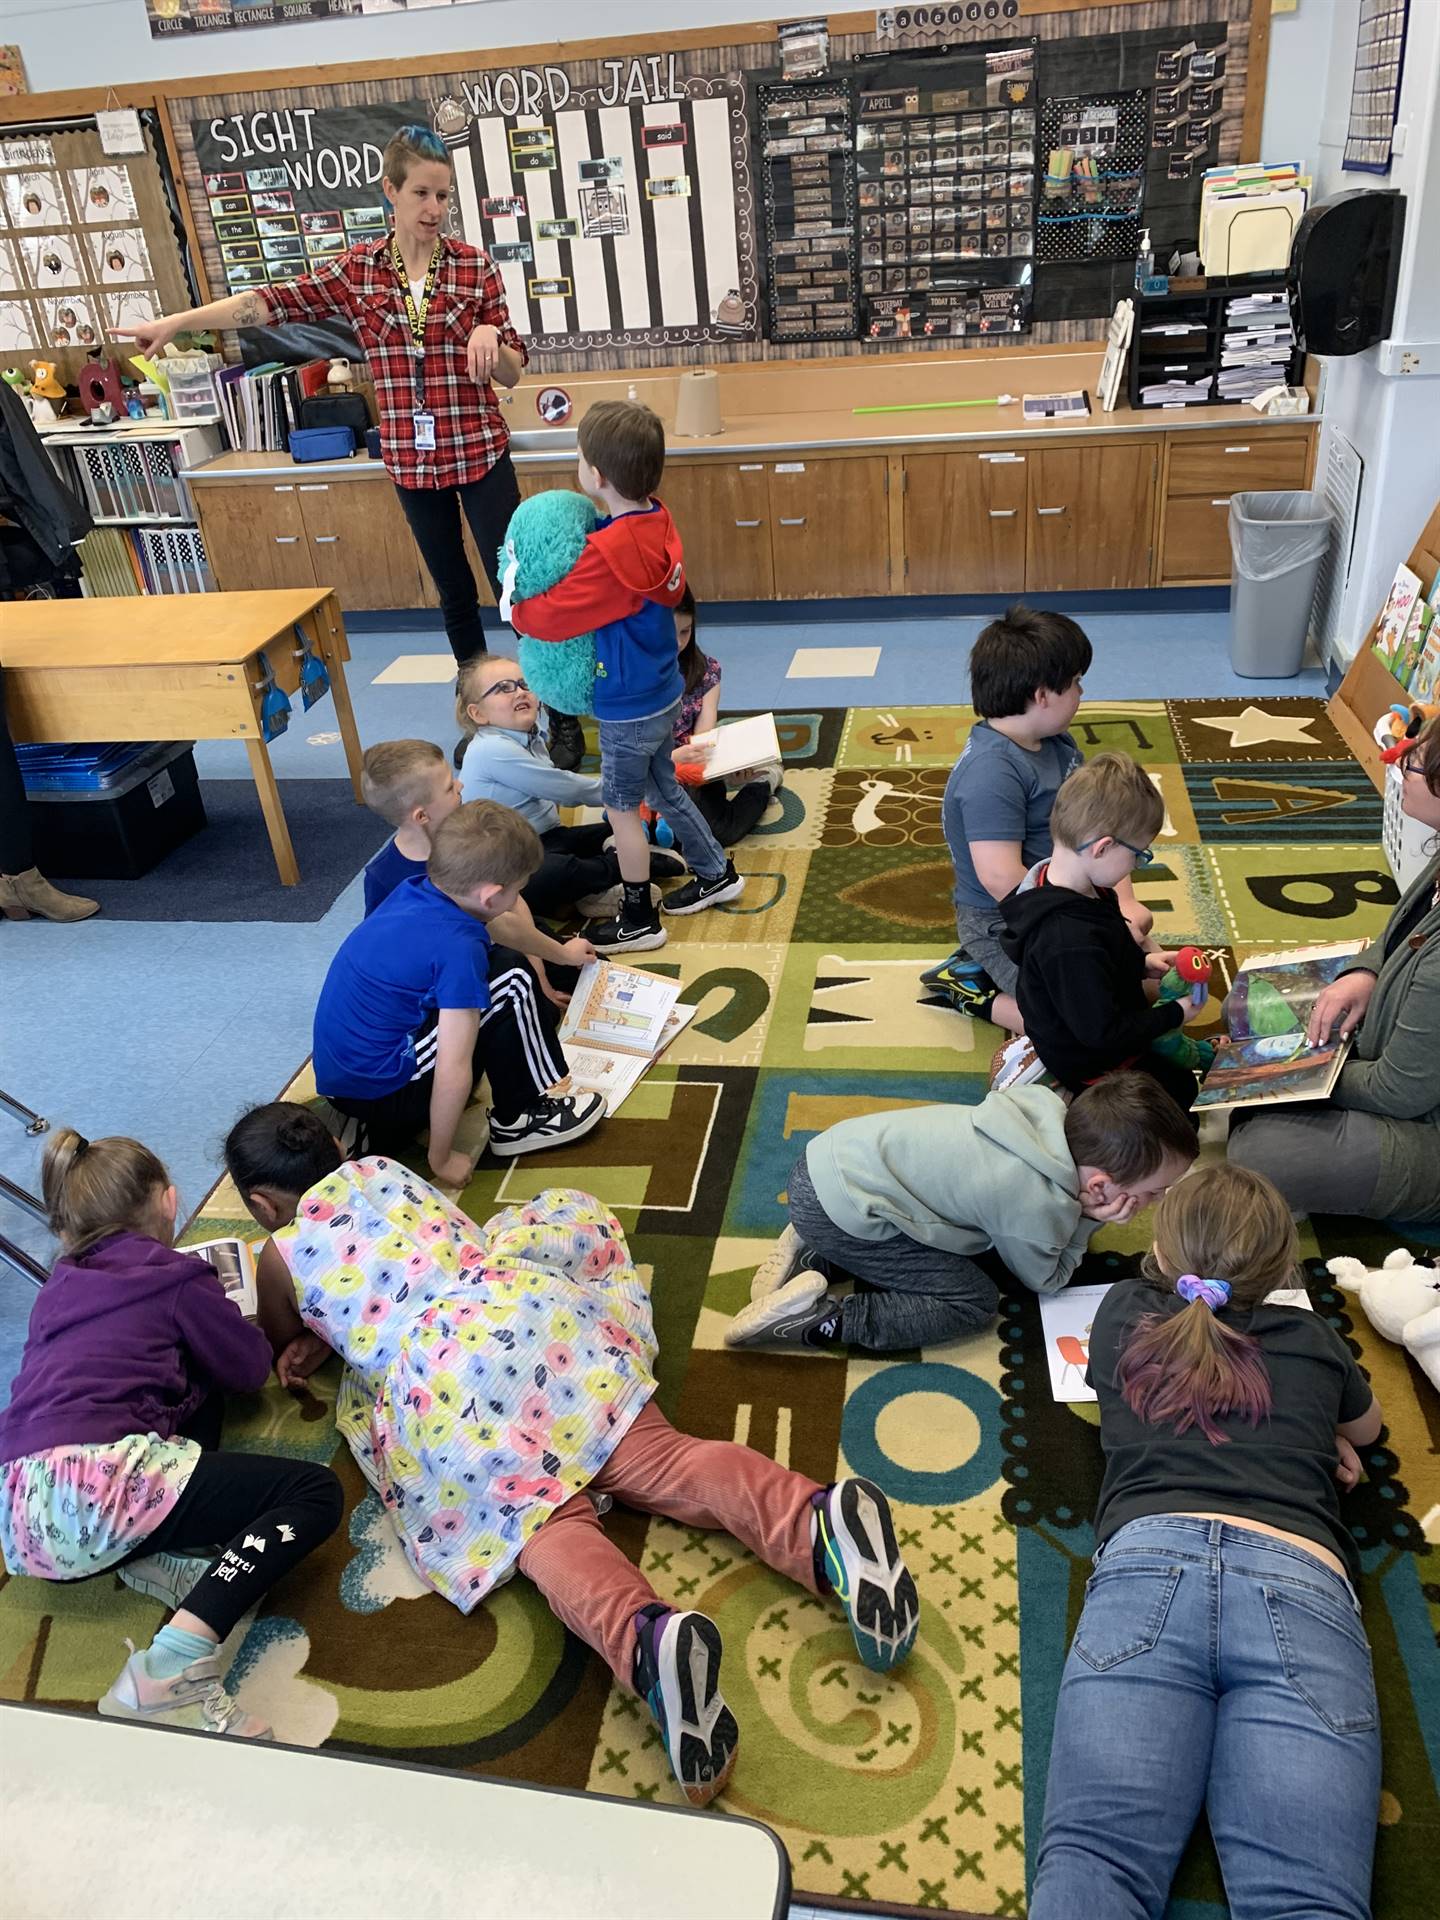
(1202,470)
(965,522)
(360,543)
(722,511)
(831,536)
(1091,509)
(254,536)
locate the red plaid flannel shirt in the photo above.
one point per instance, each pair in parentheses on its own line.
(363,287)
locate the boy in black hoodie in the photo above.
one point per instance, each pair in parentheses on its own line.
(1082,986)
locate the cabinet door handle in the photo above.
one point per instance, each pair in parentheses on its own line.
(794,523)
(1044,511)
(1221,503)
(752,466)
(326,539)
(747,523)
(1237,449)
(316,487)
(1004,459)
(286,539)
(1003,513)
(289,487)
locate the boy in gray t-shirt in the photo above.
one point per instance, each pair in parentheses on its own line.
(1025,686)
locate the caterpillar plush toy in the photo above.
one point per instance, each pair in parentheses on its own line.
(545,538)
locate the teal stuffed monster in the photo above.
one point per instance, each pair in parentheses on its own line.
(545,538)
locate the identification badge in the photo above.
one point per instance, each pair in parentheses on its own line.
(425,432)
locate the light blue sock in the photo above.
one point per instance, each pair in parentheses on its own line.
(173,1649)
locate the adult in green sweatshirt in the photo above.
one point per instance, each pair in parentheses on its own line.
(901,1201)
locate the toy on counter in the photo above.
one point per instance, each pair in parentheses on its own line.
(545,538)
(44,390)
(1401,1299)
(1398,728)
(341,377)
(1190,975)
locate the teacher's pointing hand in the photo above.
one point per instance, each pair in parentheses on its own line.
(482,354)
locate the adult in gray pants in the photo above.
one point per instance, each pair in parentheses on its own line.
(1373,1147)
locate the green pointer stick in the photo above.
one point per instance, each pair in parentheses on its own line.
(938,406)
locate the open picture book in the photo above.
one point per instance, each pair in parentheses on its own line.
(234,1264)
(619,1020)
(1267,1057)
(1067,1317)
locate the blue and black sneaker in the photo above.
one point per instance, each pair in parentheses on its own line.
(959,983)
(857,1556)
(677,1674)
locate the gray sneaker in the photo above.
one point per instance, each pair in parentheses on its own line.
(782,1263)
(802,1313)
(194,1697)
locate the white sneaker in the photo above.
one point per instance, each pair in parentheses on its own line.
(553,1121)
(170,1577)
(783,1261)
(194,1697)
(600,906)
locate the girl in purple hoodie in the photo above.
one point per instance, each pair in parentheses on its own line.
(107,1448)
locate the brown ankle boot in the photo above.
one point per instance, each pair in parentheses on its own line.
(22,894)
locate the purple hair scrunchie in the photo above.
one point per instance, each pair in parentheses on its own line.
(1215,1293)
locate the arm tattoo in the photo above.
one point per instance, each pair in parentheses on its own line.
(252,311)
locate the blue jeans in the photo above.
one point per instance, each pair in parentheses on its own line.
(636,768)
(1212,1667)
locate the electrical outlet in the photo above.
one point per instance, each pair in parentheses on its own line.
(1409,362)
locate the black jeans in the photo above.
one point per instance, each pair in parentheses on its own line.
(731,816)
(17,848)
(270,1513)
(575,864)
(516,1047)
(434,517)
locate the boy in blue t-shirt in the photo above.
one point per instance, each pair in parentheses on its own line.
(1025,671)
(419,1001)
(412,786)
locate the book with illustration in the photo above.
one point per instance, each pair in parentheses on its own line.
(1067,1320)
(619,1021)
(1405,590)
(234,1264)
(1267,1056)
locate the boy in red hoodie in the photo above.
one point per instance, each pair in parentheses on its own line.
(624,588)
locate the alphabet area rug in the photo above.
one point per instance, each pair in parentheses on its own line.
(923,1789)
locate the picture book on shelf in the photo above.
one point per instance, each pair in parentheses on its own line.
(1412,644)
(1425,680)
(234,1264)
(1395,618)
(1267,1057)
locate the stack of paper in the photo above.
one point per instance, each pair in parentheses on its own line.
(618,1023)
(1257,346)
(1248,217)
(1176,393)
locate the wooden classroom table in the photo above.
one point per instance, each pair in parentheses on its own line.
(173,667)
(152,1823)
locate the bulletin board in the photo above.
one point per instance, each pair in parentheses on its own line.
(87,245)
(641,199)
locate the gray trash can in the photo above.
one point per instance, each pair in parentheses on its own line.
(1277,541)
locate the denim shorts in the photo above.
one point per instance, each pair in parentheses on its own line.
(629,753)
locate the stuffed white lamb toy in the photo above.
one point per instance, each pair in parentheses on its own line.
(1401,1301)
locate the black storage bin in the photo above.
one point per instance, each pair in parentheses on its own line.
(121,831)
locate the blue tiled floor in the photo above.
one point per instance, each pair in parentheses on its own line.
(168,1032)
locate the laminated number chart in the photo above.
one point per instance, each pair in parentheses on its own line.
(1375,90)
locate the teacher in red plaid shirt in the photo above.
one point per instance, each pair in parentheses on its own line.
(430,313)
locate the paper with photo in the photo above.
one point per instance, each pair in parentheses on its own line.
(234,1265)
(103,194)
(35,200)
(120,255)
(71,321)
(52,261)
